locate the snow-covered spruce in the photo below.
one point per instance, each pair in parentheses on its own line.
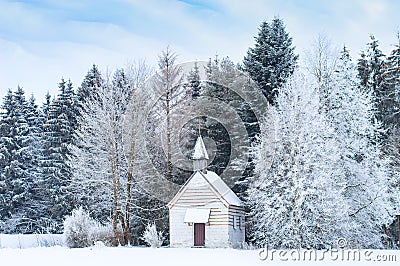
(58,131)
(272,59)
(297,201)
(364,179)
(20,150)
(328,178)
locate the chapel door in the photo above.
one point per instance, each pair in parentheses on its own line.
(199,234)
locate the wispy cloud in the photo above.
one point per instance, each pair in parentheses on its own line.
(375,9)
(43,40)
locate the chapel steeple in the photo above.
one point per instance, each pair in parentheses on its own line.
(200,155)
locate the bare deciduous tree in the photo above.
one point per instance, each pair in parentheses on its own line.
(104,152)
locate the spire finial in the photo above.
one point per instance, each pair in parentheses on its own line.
(198,126)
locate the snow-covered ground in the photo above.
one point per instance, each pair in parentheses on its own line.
(99,256)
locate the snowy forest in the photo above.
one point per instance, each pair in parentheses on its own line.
(330,171)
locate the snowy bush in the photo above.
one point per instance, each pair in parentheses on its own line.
(80,230)
(152,237)
(102,233)
(77,229)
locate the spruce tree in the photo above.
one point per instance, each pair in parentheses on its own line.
(362,67)
(295,198)
(19,166)
(224,80)
(391,81)
(392,66)
(6,147)
(375,66)
(220,73)
(194,82)
(57,137)
(371,73)
(272,60)
(392,150)
(19,153)
(90,85)
(365,178)
(122,90)
(46,106)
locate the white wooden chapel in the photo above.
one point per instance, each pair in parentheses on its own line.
(205,212)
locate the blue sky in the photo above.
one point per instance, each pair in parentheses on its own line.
(44,40)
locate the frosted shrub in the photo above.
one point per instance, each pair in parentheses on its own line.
(152,237)
(102,233)
(80,230)
(77,229)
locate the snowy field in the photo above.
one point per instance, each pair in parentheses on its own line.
(107,256)
(47,249)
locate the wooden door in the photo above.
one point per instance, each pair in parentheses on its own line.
(199,234)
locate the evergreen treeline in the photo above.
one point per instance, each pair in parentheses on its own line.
(43,147)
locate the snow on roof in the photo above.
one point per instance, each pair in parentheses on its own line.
(218,184)
(197,216)
(200,151)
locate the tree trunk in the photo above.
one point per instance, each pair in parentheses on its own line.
(169,164)
(125,230)
(127,235)
(115,211)
(398,225)
(116,192)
